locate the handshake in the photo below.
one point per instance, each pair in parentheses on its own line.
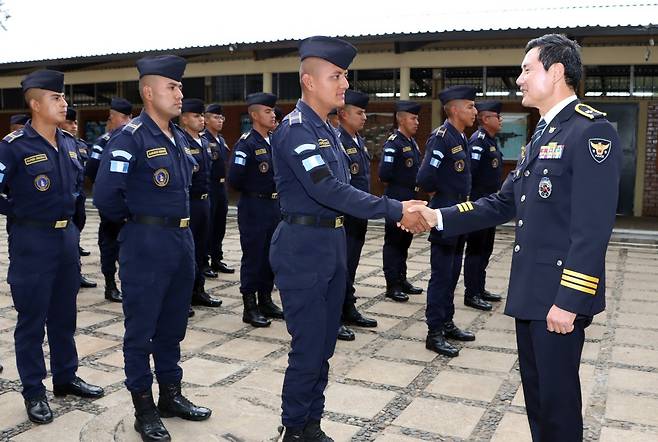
(417,217)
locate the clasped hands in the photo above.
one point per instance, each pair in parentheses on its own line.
(417,217)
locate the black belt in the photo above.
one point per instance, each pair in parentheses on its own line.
(307,220)
(60,224)
(461,197)
(199,196)
(264,196)
(181,223)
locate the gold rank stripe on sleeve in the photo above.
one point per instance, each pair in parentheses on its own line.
(159,151)
(579,281)
(35,159)
(465,207)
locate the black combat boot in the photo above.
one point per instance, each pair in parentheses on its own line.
(251,315)
(147,419)
(112,292)
(313,432)
(172,403)
(267,307)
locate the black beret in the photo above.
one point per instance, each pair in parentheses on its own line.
(334,50)
(121,105)
(491,106)
(278,113)
(170,66)
(407,106)
(194,105)
(19,119)
(215,109)
(44,79)
(457,93)
(71,114)
(263,98)
(358,99)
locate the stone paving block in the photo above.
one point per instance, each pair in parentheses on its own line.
(204,372)
(638,320)
(115,359)
(222,322)
(501,322)
(338,431)
(636,336)
(262,379)
(484,360)
(403,309)
(12,410)
(497,339)
(633,380)
(355,400)
(244,349)
(627,306)
(616,435)
(275,331)
(385,372)
(635,356)
(195,339)
(455,419)
(630,408)
(384,323)
(512,428)
(65,428)
(7,323)
(367,292)
(400,349)
(363,338)
(417,329)
(465,385)
(117,329)
(87,345)
(93,376)
(390,436)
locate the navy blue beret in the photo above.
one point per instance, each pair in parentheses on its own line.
(491,106)
(121,105)
(263,98)
(457,93)
(194,105)
(407,106)
(334,50)
(19,119)
(71,114)
(170,66)
(44,79)
(358,99)
(278,113)
(215,109)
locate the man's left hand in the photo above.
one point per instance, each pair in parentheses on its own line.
(560,321)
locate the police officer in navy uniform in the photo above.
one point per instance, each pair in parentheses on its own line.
(445,174)
(563,195)
(144,177)
(308,252)
(251,173)
(352,118)
(192,122)
(18,121)
(486,174)
(41,165)
(108,231)
(214,120)
(398,168)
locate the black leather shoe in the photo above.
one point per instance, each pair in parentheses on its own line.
(393,292)
(477,303)
(291,434)
(78,387)
(409,289)
(313,432)
(190,312)
(147,419)
(345,334)
(86,283)
(38,410)
(436,342)
(112,292)
(200,297)
(172,403)
(210,273)
(491,297)
(221,267)
(250,314)
(451,331)
(83,252)
(351,316)
(267,307)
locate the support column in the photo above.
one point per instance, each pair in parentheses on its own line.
(267,82)
(437,86)
(405,82)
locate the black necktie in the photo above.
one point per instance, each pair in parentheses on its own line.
(539,130)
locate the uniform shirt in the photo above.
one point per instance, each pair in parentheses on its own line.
(399,164)
(312,173)
(43,180)
(251,168)
(144,172)
(564,197)
(359,160)
(220,154)
(91,167)
(486,163)
(202,155)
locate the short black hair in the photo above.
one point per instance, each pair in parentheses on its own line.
(557,48)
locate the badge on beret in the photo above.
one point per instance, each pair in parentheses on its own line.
(264,167)
(545,187)
(495,163)
(42,183)
(459,165)
(161,177)
(409,162)
(599,148)
(354,168)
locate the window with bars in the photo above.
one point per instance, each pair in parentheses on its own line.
(379,84)
(464,77)
(607,81)
(12,99)
(501,81)
(228,88)
(421,83)
(285,85)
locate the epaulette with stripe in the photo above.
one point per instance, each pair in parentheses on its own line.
(392,137)
(245,135)
(440,131)
(588,111)
(294,117)
(105,136)
(132,126)
(13,135)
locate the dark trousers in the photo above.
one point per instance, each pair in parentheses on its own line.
(45,299)
(156,268)
(355,234)
(311,281)
(479,247)
(549,364)
(200,227)
(395,252)
(218,211)
(446,263)
(108,244)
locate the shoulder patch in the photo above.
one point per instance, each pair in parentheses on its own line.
(133,125)
(105,136)
(13,135)
(244,135)
(392,137)
(588,111)
(481,135)
(295,117)
(440,131)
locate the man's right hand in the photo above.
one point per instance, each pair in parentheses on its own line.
(413,221)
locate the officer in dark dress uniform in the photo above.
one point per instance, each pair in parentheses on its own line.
(214,119)
(70,125)
(191,120)
(445,174)
(486,173)
(567,176)
(41,165)
(398,168)
(308,252)
(144,177)
(251,173)
(17,121)
(108,231)
(352,118)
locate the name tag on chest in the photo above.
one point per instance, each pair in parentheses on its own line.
(552,151)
